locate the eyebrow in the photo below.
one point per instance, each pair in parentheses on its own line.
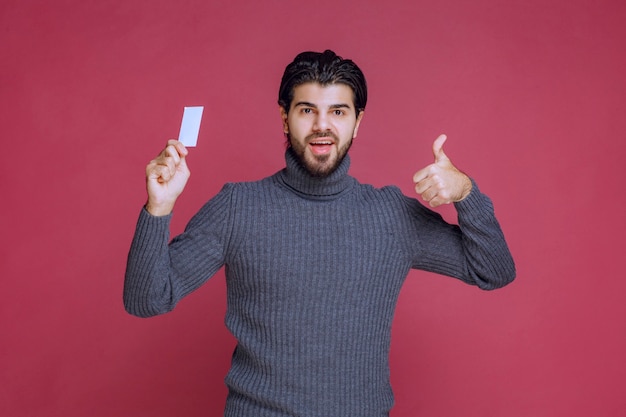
(332,106)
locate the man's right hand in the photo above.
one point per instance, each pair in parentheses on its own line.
(166,176)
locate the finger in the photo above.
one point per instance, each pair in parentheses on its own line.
(427,185)
(180,148)
(158,172)
(177,152)
(421,175)
(435,202)
(432,197)
(421,188)
(428,189)
(151,170)
(438,149)
(171,153)
(164,166)
(182,165)
(429,195)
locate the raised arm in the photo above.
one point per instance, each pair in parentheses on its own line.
(475,251)
(148,286)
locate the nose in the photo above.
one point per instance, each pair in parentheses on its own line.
(321,123)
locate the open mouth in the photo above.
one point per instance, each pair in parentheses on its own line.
(321,146)
(321,142)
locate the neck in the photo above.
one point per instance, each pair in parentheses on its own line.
(299,179)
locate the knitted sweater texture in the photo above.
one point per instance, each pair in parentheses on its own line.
(314,268)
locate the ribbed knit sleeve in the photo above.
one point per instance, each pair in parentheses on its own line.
(159,273)
(490,264)
(474,251)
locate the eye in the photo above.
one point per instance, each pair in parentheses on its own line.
(338,112)
(307,110)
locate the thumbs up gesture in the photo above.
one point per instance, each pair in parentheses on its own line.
(441,182)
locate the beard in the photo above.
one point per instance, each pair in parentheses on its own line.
(318,166)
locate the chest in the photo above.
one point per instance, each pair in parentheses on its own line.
(280,242)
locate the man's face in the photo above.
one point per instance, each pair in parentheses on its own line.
(320,125)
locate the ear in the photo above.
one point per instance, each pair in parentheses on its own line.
(284,116)
(358,123)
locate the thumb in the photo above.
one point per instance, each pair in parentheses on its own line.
(438,149)
(182,165)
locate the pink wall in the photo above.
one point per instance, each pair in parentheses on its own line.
(531,94)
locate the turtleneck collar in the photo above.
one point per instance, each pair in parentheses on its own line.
(298,178)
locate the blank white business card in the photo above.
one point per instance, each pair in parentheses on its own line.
(190,126)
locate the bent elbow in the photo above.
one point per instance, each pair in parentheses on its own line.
(143,308)
(496,281)
(137,310)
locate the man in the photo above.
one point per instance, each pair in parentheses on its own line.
(314,260)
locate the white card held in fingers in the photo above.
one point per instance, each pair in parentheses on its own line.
(190,126)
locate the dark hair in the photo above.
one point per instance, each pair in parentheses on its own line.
(325,68)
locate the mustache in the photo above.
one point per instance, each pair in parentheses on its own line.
(325,134)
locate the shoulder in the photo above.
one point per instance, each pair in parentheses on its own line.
(243,193)
(389,194)
(249,188)
(391,198)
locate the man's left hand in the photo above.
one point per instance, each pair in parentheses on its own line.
(441,182)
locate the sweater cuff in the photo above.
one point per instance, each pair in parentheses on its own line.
(149,226)
(145,213)
(475,202)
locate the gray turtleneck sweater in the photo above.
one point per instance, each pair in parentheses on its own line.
(313,271)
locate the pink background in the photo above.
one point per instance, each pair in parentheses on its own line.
(531,94)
